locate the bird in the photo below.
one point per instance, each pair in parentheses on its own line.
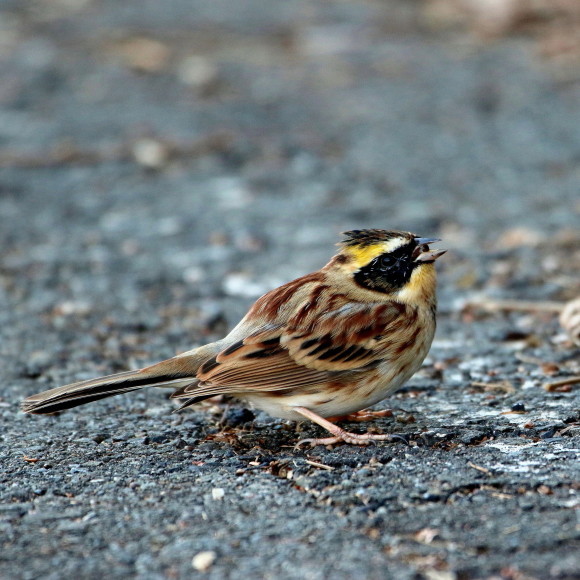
(322,347)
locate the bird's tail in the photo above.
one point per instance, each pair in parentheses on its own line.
(174,372)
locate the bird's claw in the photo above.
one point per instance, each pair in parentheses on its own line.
(350,438)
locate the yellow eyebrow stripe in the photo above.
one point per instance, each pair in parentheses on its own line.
(362,255)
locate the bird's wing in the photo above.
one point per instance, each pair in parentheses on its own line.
(303,352)
(352,336)
(257,363)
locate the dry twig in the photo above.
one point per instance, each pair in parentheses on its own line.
(479,468)
(554,385)
(319,465)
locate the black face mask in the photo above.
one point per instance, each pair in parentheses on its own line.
(388,272)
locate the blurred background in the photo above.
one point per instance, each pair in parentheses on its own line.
(211,150)
(163,163)
(173,161)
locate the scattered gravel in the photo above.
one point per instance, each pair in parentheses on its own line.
(161,165)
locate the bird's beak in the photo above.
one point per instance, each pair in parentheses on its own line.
(423,253)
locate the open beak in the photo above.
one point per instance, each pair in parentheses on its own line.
(423,253)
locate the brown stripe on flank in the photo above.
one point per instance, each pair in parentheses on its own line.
(334,386)
(410,342)
(405,367)
(325,401)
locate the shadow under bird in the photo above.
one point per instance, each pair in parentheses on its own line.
(321,347)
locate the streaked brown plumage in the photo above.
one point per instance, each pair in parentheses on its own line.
(325,345)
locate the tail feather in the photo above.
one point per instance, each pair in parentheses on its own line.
(191,401)
(176,372)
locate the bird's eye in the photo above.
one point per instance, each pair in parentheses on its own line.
(387,261)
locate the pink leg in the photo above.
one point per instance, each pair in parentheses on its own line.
(340,435)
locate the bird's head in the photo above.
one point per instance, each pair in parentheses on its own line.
(398,264)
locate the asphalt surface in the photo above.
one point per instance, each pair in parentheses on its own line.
(161,166)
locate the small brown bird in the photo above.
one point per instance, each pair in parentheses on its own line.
(323,346)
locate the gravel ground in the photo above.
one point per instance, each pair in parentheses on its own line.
(162,165)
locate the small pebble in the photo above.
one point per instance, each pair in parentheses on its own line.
(518,407)
(150,153)
(549,433)
(218,493)
(203,561)
(197,71)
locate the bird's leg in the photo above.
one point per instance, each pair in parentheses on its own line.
(363,416)
(339,435)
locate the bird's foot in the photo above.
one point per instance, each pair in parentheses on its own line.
(350,438)
(339,435)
